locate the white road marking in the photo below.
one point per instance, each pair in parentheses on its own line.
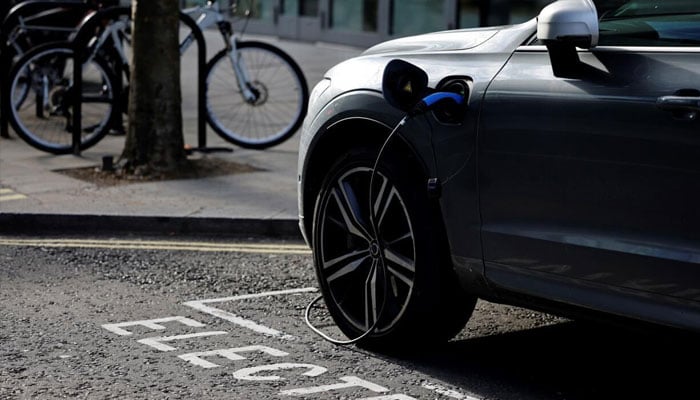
(447,392)
(154,324)
(157,342)
(348,382)
(9,195)
(256,295)
(202,306)
(249,374)
(257,373)
(231,354)
(161,245)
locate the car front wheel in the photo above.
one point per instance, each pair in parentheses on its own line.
(382,264)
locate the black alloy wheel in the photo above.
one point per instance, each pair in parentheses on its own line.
(380,263)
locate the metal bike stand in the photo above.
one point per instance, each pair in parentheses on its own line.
(24,8)
(201,88)
(80,44)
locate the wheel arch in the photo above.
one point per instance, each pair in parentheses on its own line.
(337,140)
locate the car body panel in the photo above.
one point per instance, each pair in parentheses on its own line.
(576,189)
(435,42)
(336,98)
(602,185)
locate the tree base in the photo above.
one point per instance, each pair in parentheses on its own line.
(194,169)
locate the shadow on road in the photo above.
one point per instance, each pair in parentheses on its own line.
(570,360)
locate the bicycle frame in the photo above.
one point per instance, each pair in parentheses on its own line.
(207,16)
(111,32)
(23,27)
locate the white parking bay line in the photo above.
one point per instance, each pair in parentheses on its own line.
(447,392)
(9,195)
(205,307)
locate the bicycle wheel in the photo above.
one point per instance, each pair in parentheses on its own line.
(15,51)
(22,90)
(41,85)
(280,103)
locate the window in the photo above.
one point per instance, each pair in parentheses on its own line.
(290,7)
(259,9)
(631,8)
(354,15)
(308,8)
(417,16)
(305,8)
(650,23)
(469,13)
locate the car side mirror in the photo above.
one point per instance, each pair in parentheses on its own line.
(573,22)
(564,25)
(404,84)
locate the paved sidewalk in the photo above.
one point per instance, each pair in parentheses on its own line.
(35,197)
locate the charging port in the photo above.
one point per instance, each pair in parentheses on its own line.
(453,113)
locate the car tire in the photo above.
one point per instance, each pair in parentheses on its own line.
(397,281)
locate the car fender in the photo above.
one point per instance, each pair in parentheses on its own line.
(365,109)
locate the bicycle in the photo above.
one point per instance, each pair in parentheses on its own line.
(256,94)
(45,121)
(41,95)
(30,23)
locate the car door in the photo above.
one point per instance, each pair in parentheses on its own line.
(593,180)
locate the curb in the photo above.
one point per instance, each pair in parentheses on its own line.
(36,224)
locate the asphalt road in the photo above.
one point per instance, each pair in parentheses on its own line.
(176,319)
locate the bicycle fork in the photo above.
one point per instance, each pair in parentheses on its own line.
(51,101)
(42,94)
(250,93)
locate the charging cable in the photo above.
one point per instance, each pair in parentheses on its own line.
(427,103)
(375,231)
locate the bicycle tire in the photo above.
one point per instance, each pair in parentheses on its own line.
(46,123)
(278,112)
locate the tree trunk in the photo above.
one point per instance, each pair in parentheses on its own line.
(154,142)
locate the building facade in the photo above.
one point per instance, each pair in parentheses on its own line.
(366,22)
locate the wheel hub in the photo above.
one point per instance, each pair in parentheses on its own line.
(58,100)
(374,249)
(260,91)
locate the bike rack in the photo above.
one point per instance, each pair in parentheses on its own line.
(86,32)
(24,8)
(201,87)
